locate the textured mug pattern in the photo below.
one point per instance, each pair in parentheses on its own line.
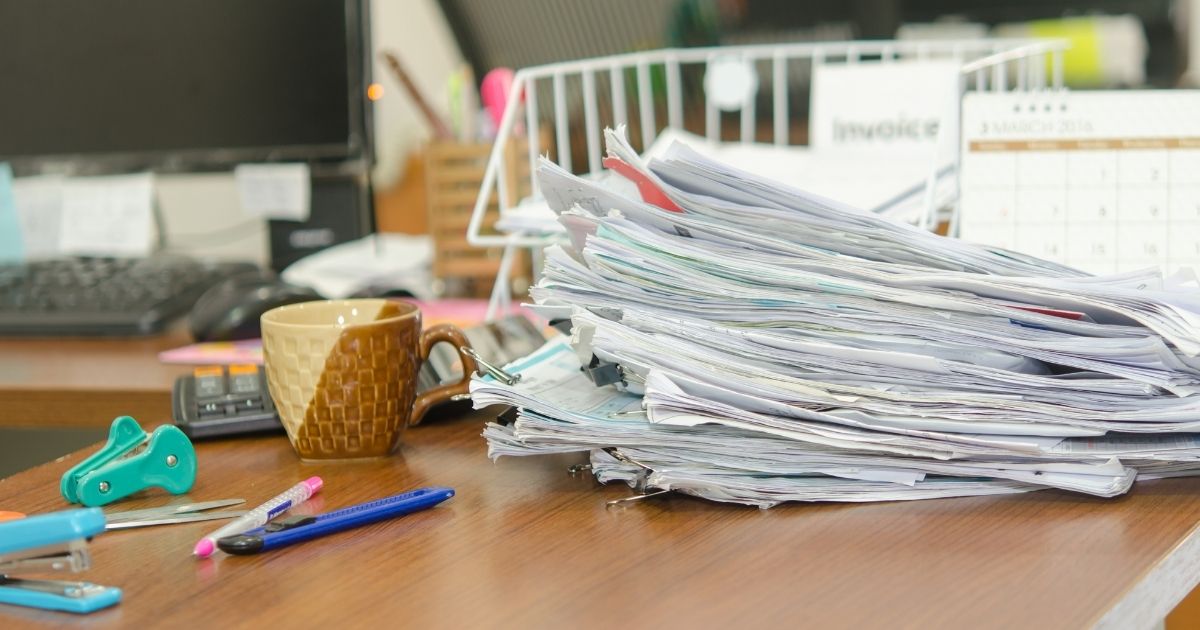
(345,392)
(343,374)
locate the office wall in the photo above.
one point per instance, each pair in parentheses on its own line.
(201,212)
(417,32)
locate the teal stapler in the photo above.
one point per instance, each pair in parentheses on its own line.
(52,542)
(132,461)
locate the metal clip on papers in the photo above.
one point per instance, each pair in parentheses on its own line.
(561,325)
(508,416)
(491,370)
(602,373)
(640,482)
(52,542)
(123,467)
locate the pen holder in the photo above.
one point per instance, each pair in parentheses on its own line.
(454,176)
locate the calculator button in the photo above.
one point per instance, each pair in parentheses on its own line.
(209,410)
(210,387)
(244,379)
(250,404)
(244,384)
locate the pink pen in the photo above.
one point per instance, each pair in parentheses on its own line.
(259,516)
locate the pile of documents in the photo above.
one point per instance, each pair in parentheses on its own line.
(744,341)
(888,184)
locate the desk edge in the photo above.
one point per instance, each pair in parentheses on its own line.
(1148,602)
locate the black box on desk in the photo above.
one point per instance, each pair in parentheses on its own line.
(342,210)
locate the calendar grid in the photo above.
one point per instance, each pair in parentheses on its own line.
(1101,184)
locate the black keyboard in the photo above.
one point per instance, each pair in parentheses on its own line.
(104,296)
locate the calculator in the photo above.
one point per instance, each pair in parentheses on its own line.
(220,401)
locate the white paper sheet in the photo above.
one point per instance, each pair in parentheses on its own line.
(274,191)
(107,216)
(39,202)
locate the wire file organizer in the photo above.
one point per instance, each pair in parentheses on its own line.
(654,90)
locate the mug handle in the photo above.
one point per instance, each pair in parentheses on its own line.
(453,335)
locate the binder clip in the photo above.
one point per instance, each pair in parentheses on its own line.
(507,417)
(601,373)
(491,370)
(562,325)
(132,461)
(52,542)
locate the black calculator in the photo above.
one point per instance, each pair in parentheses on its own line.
(224,400)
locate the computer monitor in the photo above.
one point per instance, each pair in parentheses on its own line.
(96,86)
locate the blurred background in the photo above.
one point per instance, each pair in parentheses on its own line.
(1114,43)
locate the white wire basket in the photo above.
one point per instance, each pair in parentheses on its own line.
(596,92)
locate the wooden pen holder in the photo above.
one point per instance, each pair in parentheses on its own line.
(454,176)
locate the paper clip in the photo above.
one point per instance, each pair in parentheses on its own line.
(643,492)
(575,469)
(132,461)
(493,371)
(52,542)
(636,497)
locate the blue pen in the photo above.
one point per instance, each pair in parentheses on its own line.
(297,529)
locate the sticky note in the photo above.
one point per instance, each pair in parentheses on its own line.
(108,216)
(12,248)
(274,191)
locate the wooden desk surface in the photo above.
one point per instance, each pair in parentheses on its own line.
(86,382)
(523,544)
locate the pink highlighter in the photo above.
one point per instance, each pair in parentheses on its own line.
(259,516)
(493,92)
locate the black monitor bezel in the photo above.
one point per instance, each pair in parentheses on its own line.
(358,148)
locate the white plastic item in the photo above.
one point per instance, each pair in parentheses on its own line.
(658,76)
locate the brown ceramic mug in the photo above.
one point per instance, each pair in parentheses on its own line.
(343,373)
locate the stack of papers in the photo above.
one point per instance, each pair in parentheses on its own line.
(770,345)
(885,183)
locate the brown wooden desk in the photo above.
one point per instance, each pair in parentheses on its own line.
(523,544)
(86,382)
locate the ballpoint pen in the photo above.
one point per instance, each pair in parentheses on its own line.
(260,515)
(298,529)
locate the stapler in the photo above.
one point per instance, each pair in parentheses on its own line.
(52,542)
(132,461)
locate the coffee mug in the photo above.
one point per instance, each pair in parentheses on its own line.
(343,373)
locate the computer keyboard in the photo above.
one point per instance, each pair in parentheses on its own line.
(103,296)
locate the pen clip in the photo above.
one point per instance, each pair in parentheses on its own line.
(289,522)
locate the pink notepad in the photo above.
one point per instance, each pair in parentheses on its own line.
(215,353)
